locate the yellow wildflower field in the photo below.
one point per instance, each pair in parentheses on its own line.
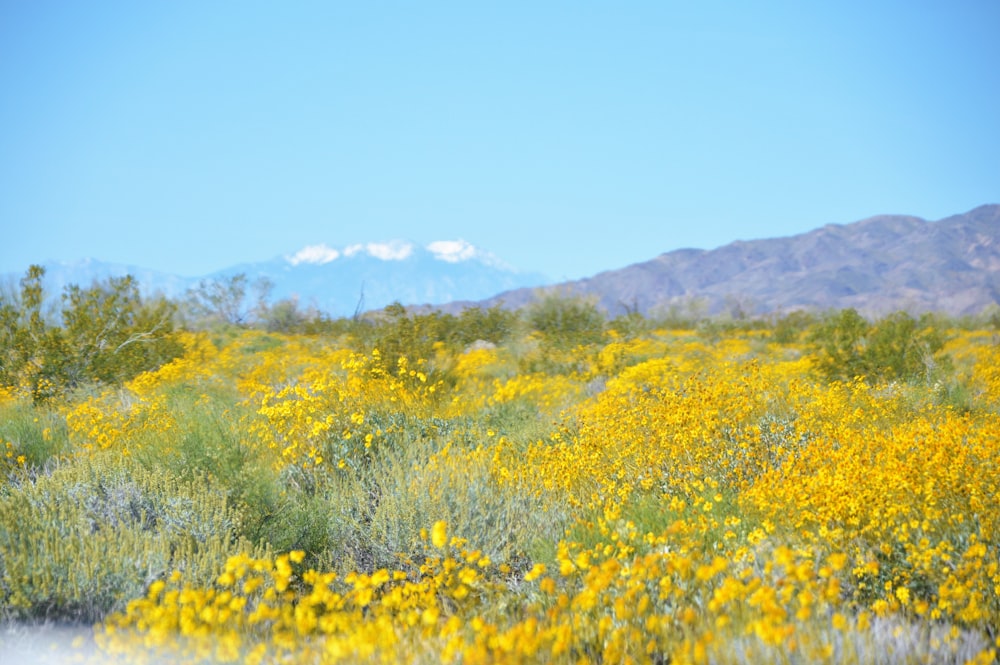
(668,497)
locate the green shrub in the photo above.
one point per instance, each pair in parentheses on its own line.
(109,334)
(495,325)
(377,513)
(566,322)
(789,328)
(81,541)
(897,347)
(208,444)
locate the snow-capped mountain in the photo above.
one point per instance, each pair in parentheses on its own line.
(368,276)
(336,280)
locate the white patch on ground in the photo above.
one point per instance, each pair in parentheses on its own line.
(47,644)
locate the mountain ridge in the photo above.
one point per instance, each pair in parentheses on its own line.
(876,265)
(334,281)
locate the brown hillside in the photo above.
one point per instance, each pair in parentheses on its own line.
(877,265)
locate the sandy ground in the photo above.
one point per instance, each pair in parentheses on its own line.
(48,644)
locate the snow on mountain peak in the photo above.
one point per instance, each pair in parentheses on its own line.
(452,251)
(316,254)
(394,250)
(449,251)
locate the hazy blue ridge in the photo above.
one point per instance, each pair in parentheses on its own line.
(335,287)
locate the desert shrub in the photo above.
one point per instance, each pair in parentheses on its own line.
(23,330)
(112,334)
(901,347)
(399,334)
(789,328)
(433,470)
(108,334)
(206,443)
(495,325)
(284,316)
(897,347)
(82,540)
(566,322)
(630,325)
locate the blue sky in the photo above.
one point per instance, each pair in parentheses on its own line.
(565,137)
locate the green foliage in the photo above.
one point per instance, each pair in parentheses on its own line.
(840,344)
(413,336)
(518,420)
(379,513)
(83,540)
(36,433)
(630,325)
(22,330)
(398,333)
(566,322)
(789,328)
(283,316)
(495,325)
(207,444)
(897,347)
(109,334)
(904,347)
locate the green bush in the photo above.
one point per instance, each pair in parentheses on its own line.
(566,322)
(897,347)
(397,333)
(81,541)
(109,334)
(375,514)
(208,444)
(789,328)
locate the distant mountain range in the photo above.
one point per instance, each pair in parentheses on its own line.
(877,265)
(337,281)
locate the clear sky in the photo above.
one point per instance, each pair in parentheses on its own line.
(565,137)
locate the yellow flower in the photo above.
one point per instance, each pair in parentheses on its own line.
(536,571)
(837,561)
(840,622)
(429,616)
(439,534)
(364,597)
(154,589)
